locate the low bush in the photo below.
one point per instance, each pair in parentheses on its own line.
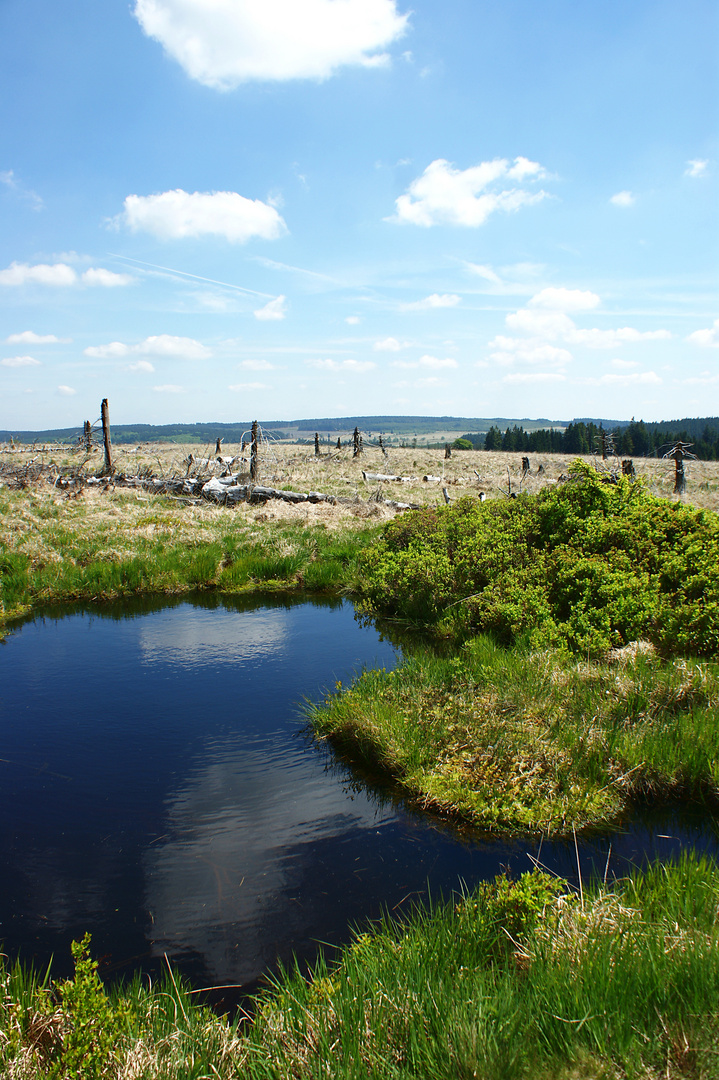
(586,566)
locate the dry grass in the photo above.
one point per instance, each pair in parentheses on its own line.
(336,473)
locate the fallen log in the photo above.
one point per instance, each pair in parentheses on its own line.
(386,478)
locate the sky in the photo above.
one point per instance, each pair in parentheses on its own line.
(281,209)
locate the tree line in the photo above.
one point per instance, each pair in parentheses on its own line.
(637,439)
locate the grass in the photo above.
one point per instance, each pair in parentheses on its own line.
(514,741)
(517,980)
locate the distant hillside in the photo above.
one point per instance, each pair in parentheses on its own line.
(645,437)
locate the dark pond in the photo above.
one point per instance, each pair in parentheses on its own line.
(159,790)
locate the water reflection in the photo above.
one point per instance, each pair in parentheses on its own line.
(158,791)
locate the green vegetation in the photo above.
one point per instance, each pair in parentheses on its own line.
(516,980)
(585,567)
(585,437)
(530,742)
(52,553)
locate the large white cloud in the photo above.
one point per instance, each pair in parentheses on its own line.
(163,345)
(223,43)
(444,195)
(177,215)
(58,274)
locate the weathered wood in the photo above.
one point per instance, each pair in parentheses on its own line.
(428,479)
(446,495)
(386,478)
(105,414)
(317,444)
(356,443)
(447,451)
(253,451)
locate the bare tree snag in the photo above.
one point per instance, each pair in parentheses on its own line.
(447,451)
(526,468)
(356,443)
(339,444)
(105,414)
(87,435)
(253,450)
(317,444)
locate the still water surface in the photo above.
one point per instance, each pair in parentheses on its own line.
(158,789)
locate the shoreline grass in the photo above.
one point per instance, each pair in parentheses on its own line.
(513,741)
(516,980)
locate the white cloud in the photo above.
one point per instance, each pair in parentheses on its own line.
(240,387)
(223,44)
(29,337)
(355,366)
(443,195)
(164,345)
(565,300)
(426,362)
(390,344)
(273,309)
(66,391)
(707,338)
(256,365)
(623,364)
(96,275)
(485,272)
(696,167)
(430,381)
(169,388)
(623,199)
(636,378)
(141,365)
(176,215)
(534,377)
(59,274)
(436,300)
(545,324)
(610,339)
(353,320)
(20,361)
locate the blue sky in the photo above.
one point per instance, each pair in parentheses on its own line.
(291,208)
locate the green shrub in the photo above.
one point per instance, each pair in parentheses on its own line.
(587,565)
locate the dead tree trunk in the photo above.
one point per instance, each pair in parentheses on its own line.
(339,444)
(218,444)
(525,467)
(105,414)
(628,469)
(253,451)
(87,435)
(317,444)
(447,451)
(356,443)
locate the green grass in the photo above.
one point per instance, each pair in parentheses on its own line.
(518,980)
(516,741)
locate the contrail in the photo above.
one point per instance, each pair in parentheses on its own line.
(196,277)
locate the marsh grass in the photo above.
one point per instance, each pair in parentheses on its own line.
(515,980)
(512,740)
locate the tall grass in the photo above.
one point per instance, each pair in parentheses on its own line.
(513,740)
(516,980)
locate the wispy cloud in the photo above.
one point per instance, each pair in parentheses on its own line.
(356,367)
(20,361)
(436,300)
(161,345)
(9,180)
(623,199)
(696,167)
(273,310)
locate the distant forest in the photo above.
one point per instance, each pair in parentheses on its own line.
(637,439)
